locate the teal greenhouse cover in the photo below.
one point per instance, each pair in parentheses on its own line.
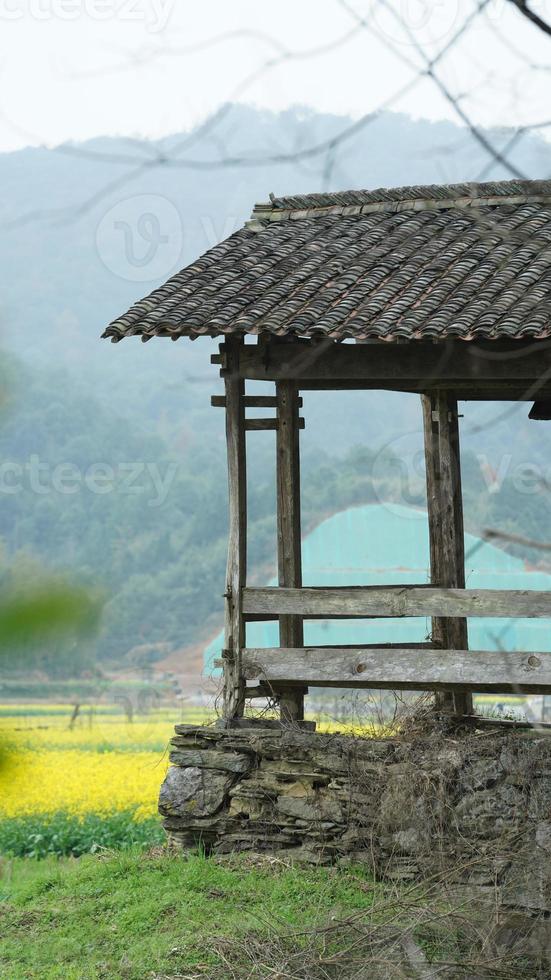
(388,544)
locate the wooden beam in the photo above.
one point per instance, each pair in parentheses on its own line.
(445,517)
(266,424)
(395,601)
(422,365)
(479,391)
(456,634)
(257,425)
(267,690)
(251,401)
(289,549)
(258,691)
(401,669)
(369,646)
(234,624)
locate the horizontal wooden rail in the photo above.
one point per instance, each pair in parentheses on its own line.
(266,424)
(219,661)
(407,668)
(395,601)
(250,401)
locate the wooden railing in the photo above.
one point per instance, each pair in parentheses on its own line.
(394,600)
(415,666)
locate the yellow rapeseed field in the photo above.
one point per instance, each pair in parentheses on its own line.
(103,763)
(78,783)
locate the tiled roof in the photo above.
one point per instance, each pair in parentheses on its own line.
(461,260)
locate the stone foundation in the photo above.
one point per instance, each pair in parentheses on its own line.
(475,806)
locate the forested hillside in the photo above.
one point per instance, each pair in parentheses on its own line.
(112,466)
(140,514)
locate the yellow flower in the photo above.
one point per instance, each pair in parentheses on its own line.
(103,763)
(80,782)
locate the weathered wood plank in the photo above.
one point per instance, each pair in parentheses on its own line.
(251,401)
(426,365)
(395,601)
(266,424)
(452,531)
(400,669)
(328,647)
(261,424)
(445,518)
(477,391)
(289,548)
(370,646)
(429,405)
(236,570)
(258,691)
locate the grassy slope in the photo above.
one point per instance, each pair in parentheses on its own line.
(132,915)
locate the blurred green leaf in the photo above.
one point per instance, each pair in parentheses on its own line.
(44,612)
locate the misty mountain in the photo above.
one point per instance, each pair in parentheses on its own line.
(88,229)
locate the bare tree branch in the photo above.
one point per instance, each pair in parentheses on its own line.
(453,101)
(492,534)
(151,155)
(527,12)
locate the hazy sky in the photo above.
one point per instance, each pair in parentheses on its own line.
(73,69)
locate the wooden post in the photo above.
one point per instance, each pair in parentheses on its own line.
(289,559)
(445,514)
(236,571)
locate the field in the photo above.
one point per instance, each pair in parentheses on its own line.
(73,786)
(69,787)
(87,891)
(124,909)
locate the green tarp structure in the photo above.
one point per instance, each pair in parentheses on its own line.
(380,544)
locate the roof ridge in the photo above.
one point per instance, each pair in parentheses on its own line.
(414,197)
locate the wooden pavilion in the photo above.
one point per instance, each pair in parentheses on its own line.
(440,290)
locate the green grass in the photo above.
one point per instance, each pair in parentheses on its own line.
(65,835)
(133,915)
